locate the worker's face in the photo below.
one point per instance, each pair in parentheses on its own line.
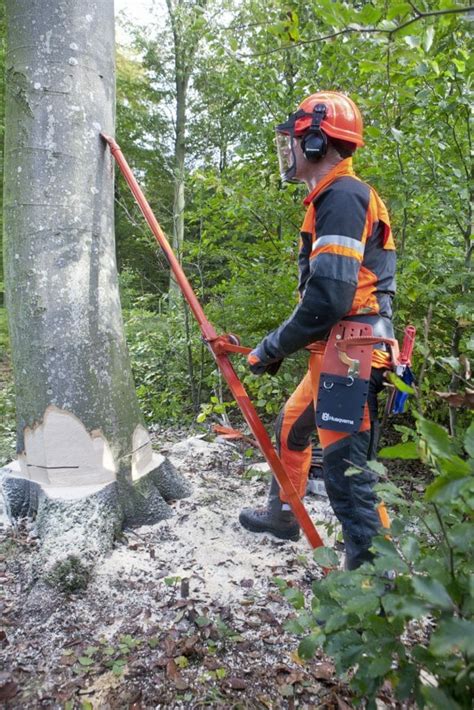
(302,166)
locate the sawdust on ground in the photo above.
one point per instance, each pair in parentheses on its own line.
(181,614)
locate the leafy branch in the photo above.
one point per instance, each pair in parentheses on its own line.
(388,32)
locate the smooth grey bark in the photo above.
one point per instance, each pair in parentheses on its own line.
(66,328)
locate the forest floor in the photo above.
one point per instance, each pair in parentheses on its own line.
(182,614)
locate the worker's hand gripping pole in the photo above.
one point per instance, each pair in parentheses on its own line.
(219,348)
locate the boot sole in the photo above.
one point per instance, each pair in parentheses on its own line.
(280,534)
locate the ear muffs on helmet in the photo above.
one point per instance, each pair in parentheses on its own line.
(314,143)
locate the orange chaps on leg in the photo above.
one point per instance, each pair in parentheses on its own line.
(352,498)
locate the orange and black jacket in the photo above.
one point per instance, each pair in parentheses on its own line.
(346,262)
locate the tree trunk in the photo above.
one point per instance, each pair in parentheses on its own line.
(82,443)
(181,82)
(179,156)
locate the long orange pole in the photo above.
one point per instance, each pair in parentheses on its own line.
(219,348)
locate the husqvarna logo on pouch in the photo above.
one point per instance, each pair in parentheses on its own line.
(326,417)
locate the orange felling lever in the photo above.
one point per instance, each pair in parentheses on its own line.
(220,346)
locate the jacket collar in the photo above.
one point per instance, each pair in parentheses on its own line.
(340,170)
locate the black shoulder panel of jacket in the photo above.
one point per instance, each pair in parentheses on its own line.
(342,208)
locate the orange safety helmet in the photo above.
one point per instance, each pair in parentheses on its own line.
(342,119)
(326,113)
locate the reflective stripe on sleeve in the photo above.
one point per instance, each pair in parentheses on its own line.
(339,240)
(335,250)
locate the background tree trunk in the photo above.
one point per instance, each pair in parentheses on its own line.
(80,433)
(186,39)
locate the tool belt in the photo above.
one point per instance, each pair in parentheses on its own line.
(345,375)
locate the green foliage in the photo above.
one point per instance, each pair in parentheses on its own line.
(214,406)
(412,84)
(408,617)
(167,389)
(158,350)
(112,657)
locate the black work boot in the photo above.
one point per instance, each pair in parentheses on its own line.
(276,518)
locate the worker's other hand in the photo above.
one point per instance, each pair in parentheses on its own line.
(259,367)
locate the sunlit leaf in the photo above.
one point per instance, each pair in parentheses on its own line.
(408,450)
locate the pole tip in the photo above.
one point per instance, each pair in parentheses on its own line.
(110,141)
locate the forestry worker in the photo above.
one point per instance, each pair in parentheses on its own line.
(346,273)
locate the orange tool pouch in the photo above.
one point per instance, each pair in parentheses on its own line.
(345,376)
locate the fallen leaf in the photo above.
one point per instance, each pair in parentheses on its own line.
(267,617)
(68,660)
(274,597)
(169,646)
(188,646)
(172,670)
(8,687)
(237,683)
(211,663)
(341,704)
(324,671)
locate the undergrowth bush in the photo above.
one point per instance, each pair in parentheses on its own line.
(168,389)
(158,351)
(267,393)
(415,631)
